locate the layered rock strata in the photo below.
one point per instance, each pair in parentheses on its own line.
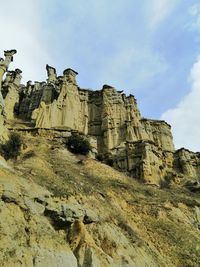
(142,147)
(107,114)
(135,144)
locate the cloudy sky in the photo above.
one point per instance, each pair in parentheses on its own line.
(148,48)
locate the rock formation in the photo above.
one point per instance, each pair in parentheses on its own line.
(135,144)
(61,209)
(3,130)
(10,91)
(142,147)
(4,64)
(107,114)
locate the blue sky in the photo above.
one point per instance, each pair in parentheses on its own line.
(148,48)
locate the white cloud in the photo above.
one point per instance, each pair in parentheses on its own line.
(20,26)
(185,118)
(159,10)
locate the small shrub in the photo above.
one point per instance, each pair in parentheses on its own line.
(99,157)
(78,144)
(12,148)
(110,162)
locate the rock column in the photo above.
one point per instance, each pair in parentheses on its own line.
(4,64)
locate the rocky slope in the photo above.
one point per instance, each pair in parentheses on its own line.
(58,209)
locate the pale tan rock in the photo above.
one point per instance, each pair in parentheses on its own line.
(143,147)
(10,89)
(4,64)
(3,129)
(188,162)
(160,133)
(42,116)
(85,249)
(108,115)
(69,110)
(69,76)
(61,257)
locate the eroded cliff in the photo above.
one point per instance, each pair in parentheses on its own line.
(58,209)
(142,147)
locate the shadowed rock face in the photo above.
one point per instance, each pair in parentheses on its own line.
(51,72)
(143,147)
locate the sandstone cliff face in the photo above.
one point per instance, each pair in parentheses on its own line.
(142,147)
(108,115)
(10,92)
(145,161)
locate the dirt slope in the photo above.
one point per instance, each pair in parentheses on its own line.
(58,209)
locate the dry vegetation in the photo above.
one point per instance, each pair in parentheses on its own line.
(162,220)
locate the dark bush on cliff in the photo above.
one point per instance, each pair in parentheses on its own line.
(78,144)
(12,148)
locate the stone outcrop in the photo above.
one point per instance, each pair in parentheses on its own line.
(142,147)
(3,130)
(107,114)
(4,64)
(187,168)
(10,91)
(145,161)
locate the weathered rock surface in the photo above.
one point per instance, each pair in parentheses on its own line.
(3,129)
(4,64)
(10,91)
(107,115)
(56,212)
(142,147)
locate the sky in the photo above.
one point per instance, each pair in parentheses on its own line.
(148,48)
